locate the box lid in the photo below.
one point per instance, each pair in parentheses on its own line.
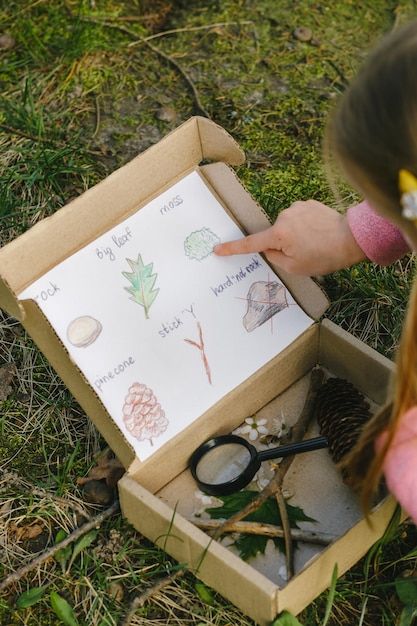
(105,205)
(47,243)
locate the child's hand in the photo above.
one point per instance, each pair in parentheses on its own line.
(308,238)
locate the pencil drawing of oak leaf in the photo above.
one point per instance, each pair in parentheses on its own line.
(142,281)
(142,414)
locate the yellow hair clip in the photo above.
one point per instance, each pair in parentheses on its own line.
(407,183)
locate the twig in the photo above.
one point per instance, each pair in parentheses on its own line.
(267,530)
(198,105)
(289,548)
(164,33)
(25,488)
(95,522)
(200,108)
(21,133)
(139,601)
(275,484)
(98,118)
(189,29)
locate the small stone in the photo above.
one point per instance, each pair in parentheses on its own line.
(7,42)
(165,114)
(98,492)
(303,33)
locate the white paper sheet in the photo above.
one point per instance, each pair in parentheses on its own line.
(160,326)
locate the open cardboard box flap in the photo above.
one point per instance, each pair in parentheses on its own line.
(103,206)
(109,202)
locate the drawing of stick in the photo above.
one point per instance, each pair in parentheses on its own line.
(200,346)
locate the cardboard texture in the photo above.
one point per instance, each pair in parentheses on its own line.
(158,495)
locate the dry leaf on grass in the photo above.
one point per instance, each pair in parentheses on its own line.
(108,467)
(30,531)
(7,373)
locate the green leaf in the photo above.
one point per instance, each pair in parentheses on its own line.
(205,593)
(63,554)
(30,597)
(286,619)
(83,543)
(249,546)
(330,597)
(60,536)
(407,616)
(63,610)
(407,591)
(390,533)
(142,281)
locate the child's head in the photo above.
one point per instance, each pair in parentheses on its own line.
(373,132)
(371,137)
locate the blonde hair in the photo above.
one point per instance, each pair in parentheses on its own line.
(370,137)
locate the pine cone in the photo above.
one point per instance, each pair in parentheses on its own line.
(341,412)
(142,413)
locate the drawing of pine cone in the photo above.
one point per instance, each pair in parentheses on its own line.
(142,413)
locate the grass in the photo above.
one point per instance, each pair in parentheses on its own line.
(80,92)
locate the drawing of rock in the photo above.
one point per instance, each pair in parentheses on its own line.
(142,414)
(83,331)
(200,244)
(265,299)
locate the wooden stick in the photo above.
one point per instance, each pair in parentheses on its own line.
(288,539)
(267,530)
(94,522)
(140,600)
(199,108)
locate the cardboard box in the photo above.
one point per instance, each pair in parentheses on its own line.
(158,495)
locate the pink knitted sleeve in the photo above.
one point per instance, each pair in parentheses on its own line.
(381,241)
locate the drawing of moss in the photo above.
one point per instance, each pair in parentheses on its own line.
(265,299)
(200,243)
(141,283)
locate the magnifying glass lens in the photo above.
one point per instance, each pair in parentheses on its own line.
(223,463)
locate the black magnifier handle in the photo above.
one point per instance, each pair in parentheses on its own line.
(306,445)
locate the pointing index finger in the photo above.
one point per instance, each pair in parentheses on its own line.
(257,242)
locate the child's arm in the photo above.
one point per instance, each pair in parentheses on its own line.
(312,239)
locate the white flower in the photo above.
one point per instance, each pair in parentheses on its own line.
(253,428)
(279,427)
(205,502)
(263,477)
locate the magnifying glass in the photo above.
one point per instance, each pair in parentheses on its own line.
(226,464)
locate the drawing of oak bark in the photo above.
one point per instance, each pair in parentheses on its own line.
(200,346)
(265,299)
(142,281)
(142,413)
